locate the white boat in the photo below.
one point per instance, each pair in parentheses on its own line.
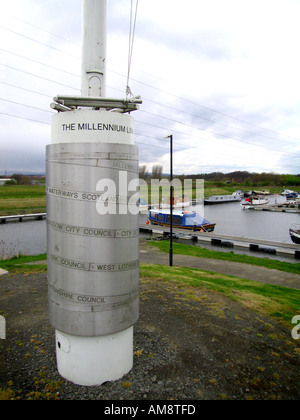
(262,192)
(287,192)
(255,201)
(220,199)
(178,203)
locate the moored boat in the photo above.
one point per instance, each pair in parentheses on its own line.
(287,192)
(290,195)
(177,203)
(295,234)
(262,192)
(248,194)
(220,199)
(181,219)
(254,201)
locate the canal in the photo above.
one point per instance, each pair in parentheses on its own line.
(30,237)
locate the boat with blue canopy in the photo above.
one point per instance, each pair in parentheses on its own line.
(181,220)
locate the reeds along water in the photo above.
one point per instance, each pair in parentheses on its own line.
(10,249)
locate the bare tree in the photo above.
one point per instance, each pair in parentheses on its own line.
(143,173)
(157,172)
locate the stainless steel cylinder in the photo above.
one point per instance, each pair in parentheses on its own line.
(93,237)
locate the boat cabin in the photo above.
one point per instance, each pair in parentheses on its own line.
(180,219)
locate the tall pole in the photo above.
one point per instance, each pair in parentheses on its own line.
(171,199)
(171,194)
(93,63)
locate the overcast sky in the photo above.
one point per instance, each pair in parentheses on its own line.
(222,76)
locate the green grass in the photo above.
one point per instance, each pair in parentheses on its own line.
(20,199)
(22,191)
(22,264)
(277,302)
(199,252)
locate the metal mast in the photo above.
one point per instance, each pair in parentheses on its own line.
(93,65)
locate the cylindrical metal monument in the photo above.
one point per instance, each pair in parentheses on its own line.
(93,229)
(93,233)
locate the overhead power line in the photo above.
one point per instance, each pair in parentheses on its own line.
(176,143)
(150,86)
(25,118)
(25,89)
(212,132)
(40,29)
(28,106)
(39,62)
(155,115)
(39,77)
(38,42)
(159,116)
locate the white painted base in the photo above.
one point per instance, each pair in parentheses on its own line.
(91,361)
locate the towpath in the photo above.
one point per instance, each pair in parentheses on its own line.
(151,255)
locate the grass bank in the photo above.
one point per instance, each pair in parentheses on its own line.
(25,264)
(21,199)
(276,302)
(197,251)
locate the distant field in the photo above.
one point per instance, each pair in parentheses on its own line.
(209,189)
(19,199)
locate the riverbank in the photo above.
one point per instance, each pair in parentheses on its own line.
(192,341)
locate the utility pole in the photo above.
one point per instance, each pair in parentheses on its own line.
(92,233)
(172,201)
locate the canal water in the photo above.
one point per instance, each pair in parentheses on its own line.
(29,238)
(231,219)
(26,238)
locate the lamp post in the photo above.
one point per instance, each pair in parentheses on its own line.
(171,199)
